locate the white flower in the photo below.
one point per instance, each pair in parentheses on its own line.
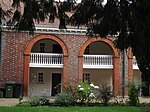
(79,86)
(96,87)
(92,85)
(91,95)
(81,89)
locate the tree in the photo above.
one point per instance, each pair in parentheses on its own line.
(3,15)
(129,20)
(38,11)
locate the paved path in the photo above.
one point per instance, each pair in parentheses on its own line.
(8,101)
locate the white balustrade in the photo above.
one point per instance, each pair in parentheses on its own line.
(46,59)
(98,61)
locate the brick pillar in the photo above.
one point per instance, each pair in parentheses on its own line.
(26,74)
(80,77)
(65,66)
(116,76)
(130,65)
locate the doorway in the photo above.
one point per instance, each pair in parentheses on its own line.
(56,83)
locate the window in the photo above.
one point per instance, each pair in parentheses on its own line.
(40,78)
(42,47)
(86,77)
(87,50)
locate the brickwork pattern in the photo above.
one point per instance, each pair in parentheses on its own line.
(14,44)
(15,67)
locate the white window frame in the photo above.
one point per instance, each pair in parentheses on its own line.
(87,77)
(39,81)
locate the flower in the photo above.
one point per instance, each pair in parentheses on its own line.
(81,89)
(92,85)
(96,87)
(91,95)
(79,86)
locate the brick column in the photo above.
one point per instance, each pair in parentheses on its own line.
(80,77)
(116,76)
(65,66)
(130,65)
(26,74)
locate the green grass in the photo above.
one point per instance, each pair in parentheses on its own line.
(71,109)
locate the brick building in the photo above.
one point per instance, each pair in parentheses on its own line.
(52,56)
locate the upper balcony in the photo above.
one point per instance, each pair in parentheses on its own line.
(98,61)
(55,60)
(50,60)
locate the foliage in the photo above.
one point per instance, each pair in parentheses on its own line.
(65,98)
(104,93)
(85,91)
(38,101)
(133,93)
(24,104)
(70,89)
(126,20)
(20,99)
(25,13)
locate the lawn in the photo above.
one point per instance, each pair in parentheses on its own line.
(71,109)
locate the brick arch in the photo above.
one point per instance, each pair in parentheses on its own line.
(116,76)
(105,40)
(27,58)
(41,37)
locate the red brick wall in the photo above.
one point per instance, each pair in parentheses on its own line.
(13,48)
(13,45)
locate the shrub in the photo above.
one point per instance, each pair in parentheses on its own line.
(69,88)
(104,93)
(65,98)
(133,93)
(85,91)
(24,104)
(38,101)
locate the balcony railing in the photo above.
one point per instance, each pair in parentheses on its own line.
(135,65)
(46,60)
(89,61)
(98,61)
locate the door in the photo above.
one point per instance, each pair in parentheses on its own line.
(56,83)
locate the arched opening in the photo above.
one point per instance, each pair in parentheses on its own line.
(45,66)
(100,63)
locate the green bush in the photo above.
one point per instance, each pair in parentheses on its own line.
(65,98)
(104,93)
(133,93)
(38,101)
(86,91)
(24,104)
